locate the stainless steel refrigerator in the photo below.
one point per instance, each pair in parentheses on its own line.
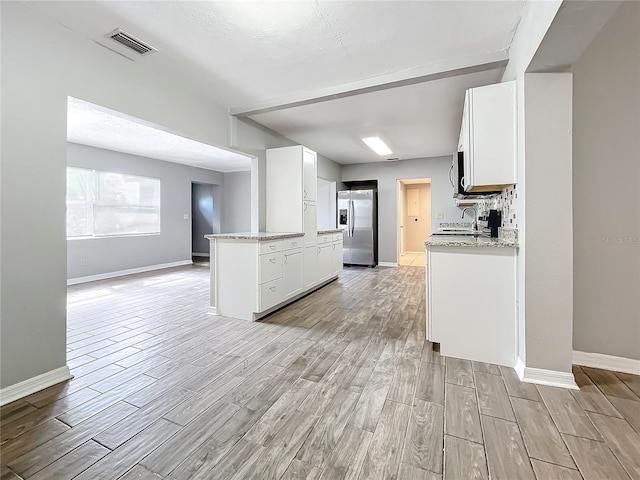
(358,219)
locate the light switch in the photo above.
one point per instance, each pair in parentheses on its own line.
(186,216)
(440,215)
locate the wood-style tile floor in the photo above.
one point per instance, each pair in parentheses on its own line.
(341,384)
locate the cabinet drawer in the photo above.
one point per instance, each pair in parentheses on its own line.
(270,266)
(337,237)
(325,238)
(272,246)
(270,294)
(290,243)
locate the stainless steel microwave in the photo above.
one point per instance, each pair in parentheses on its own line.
(456,176)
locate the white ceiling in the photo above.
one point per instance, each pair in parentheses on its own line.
(276,54)
(89,124)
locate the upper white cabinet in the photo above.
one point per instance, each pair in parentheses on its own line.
(291,181)
(309,175)
(488,137)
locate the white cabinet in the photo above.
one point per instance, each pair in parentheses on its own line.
(471,302)
(309,228)
(488,137)
(292,281)
(325,261)
(310,266)
(291,182)
(336,256)
(309,175)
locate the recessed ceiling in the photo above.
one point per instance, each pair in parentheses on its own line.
(246,54)
(89,124)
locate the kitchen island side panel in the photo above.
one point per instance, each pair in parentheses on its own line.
(472,303)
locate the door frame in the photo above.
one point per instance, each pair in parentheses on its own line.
(400,204)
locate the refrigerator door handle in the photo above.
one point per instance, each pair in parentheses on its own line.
(352,214)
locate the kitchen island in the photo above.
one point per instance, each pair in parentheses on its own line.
(471,297)
(254,274)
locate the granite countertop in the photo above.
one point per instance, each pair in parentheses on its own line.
(259,236)
(332,230)
(469,241)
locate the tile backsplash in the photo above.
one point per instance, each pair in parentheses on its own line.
(507,202)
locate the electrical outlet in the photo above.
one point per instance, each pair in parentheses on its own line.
(185,216)
(83,262)
(440,215)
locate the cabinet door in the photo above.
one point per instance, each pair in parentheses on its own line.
(310,223)
(491,137)
(309,175)
(310,266)
(336,258)
(325,262)
(291,273)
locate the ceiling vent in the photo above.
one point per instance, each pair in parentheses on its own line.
(131,42)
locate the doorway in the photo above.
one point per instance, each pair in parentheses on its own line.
(205,218)
(414,220)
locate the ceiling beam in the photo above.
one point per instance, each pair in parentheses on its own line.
(426,73)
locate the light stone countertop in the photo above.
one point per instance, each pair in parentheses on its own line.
(332,230)
(259,236)
(469,241)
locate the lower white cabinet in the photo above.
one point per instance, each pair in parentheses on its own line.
(325,261)
(310,266)
(252,275)
(292,273)
(471,302)
(336,256)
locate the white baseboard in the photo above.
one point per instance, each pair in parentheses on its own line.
(196,254)
(607,362)
(130,271)
(387,264)
(541,376)
(19,390)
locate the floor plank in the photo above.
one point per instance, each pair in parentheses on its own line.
(424,444)
(464,460)
(622,439)
(492,396)
(383,457)
(594,459)
(549,471)
(459,372)
(590,398)
(610,384)
(540,434)
(74,462)
(567,414)
(461,417)
(506,454)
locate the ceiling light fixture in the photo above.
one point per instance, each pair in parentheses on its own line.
(377,145)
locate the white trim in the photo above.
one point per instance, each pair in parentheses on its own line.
(541,376)
(196,254)
(607,362)
(130,271)
(32,385)
(387,264)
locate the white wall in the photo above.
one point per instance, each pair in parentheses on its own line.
(236,202)
(548,205)
(173,244)
(43,63)
(606,189)
(387,174)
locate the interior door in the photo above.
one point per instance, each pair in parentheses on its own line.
(362,227)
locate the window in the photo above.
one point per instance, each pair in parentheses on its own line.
(102,204)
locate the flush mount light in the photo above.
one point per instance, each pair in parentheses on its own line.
(377,145)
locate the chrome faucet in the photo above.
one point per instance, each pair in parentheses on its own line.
(474,224)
